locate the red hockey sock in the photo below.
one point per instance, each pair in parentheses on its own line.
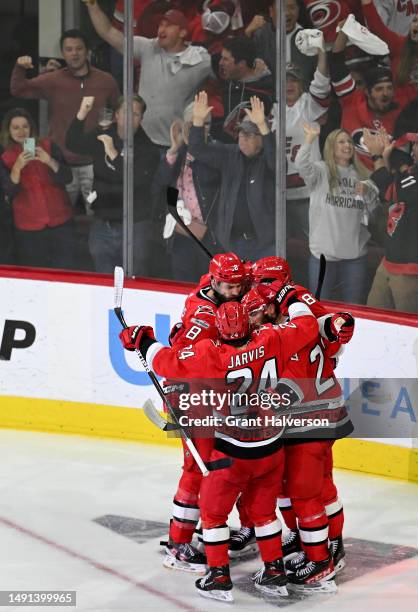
(269,540)
(313,528)
(335,513)
(288,513)
(216,540)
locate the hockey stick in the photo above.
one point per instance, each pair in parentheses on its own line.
(321,275)
(155,417)
(172,195)
(204,468)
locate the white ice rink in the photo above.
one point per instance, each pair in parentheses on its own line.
(87,515)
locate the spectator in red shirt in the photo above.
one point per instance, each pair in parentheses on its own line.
(42,211)
(377,106)
(403,49)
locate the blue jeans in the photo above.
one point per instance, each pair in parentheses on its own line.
(249,249)
(344,280)
(106,244)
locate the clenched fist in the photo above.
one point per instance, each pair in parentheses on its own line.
(25,61)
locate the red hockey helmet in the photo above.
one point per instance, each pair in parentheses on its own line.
(253,301)
(227,268)
(232,321)
(271,268)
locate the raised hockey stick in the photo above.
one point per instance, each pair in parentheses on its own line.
(172,195)
(204,468)
(321,275)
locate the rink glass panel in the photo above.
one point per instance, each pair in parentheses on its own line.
(34,29)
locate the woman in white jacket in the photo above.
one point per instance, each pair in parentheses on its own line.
(341,200)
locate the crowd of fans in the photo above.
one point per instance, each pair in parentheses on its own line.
(204,120)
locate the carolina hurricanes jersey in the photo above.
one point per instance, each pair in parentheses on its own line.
(325,14)
(246,370)
(197,319)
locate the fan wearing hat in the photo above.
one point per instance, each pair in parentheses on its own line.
(212,26)
(245,214)
(377,106)
(172,71)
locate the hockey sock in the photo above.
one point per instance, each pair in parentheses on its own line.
(313,528)
(216,541)
(335,514)
(288,513)
(186,515)
(269,540)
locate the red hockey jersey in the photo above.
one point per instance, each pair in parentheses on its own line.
(245,370)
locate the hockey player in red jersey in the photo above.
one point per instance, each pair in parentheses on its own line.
(309,490)
(257,462)
(225,281)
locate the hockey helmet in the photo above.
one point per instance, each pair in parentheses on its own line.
(271,268)
(253,301)
(227,268)
(232,321)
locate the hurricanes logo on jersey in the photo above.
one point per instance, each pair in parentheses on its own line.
(205,310)
(324,12)
(396,212)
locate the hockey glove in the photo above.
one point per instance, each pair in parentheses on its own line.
(175,333)
(276,292)
(132,337)
(342,327)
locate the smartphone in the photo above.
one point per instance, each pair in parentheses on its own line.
(29,145)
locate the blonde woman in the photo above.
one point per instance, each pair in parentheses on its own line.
(341,199)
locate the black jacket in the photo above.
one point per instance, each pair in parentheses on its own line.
(7,191)
(229,161)
(401,194)
(108,174)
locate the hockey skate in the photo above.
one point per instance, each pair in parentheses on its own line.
(216,584)
(313,577)
(271,579)
(184,557)
(291,565)
(242,543)
(198,540)
(336,548)
(291,544)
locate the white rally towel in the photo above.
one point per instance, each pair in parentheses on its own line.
(360,36)
(310,41)
(170,222)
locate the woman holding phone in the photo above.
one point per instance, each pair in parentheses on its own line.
(44,231)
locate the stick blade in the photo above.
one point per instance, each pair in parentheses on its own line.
(119,277)
(155,417)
